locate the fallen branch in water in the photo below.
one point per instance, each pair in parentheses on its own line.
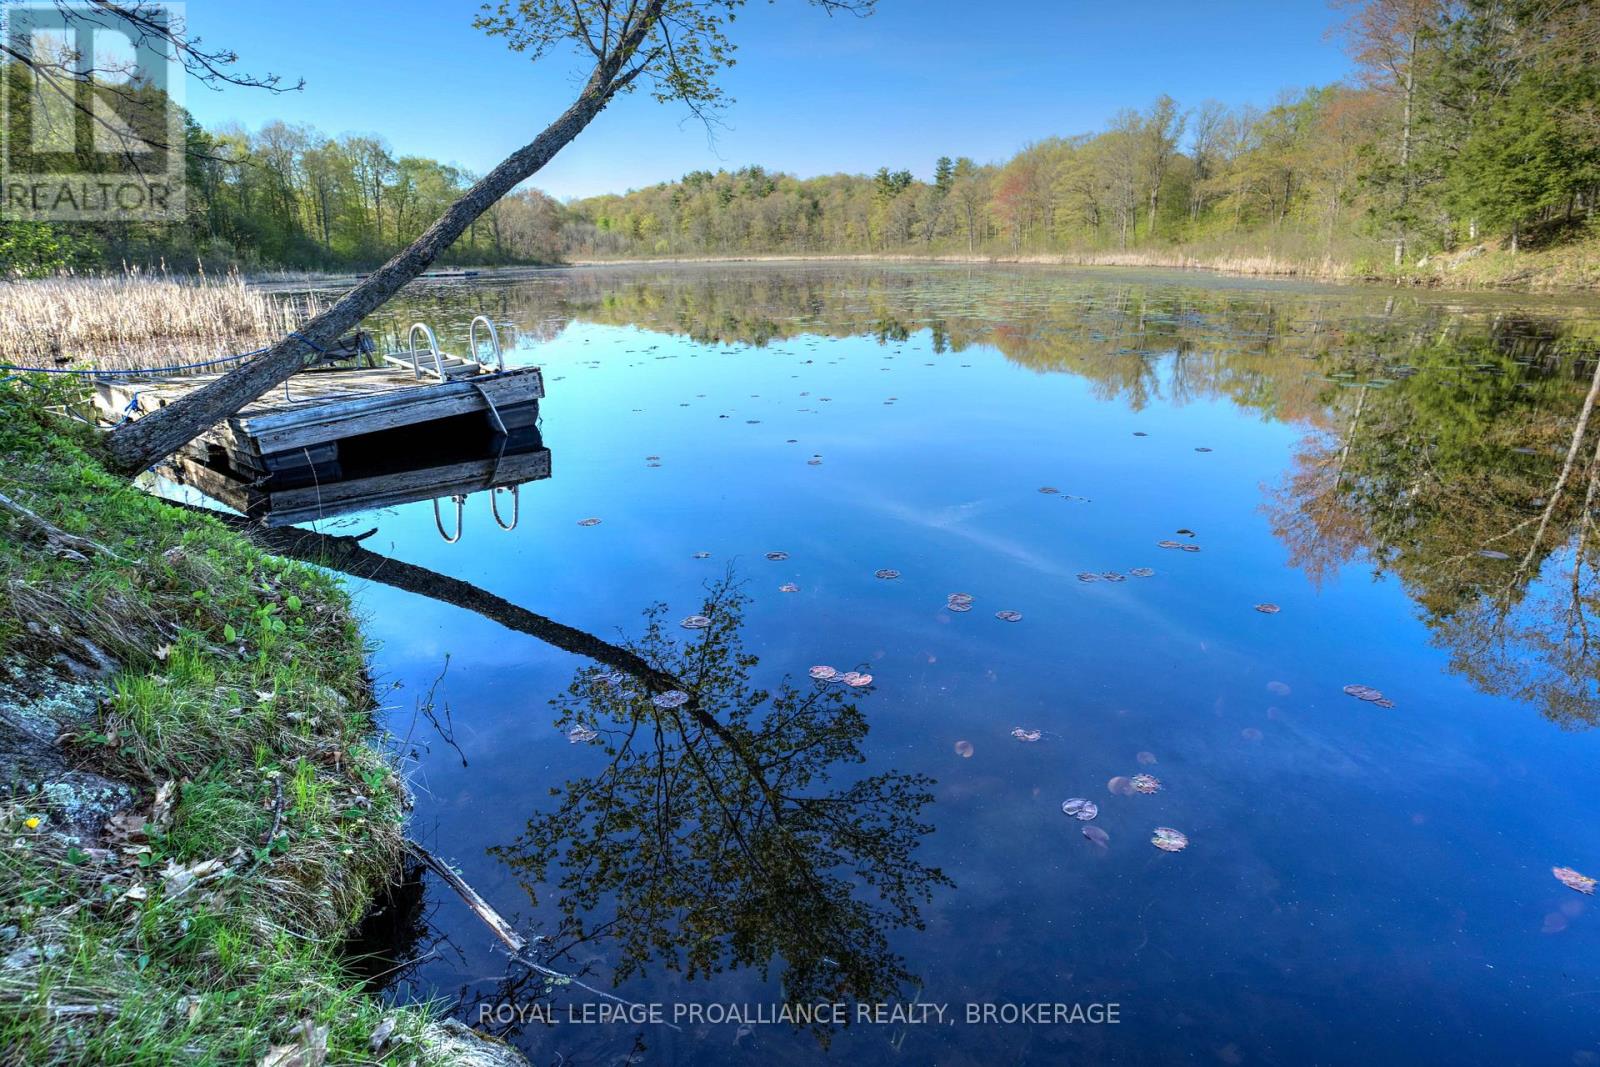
(502,929)
(480,907)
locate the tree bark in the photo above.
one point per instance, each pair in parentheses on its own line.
(138,444)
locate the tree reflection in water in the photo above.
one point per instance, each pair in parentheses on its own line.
(1472,479)
(726,832)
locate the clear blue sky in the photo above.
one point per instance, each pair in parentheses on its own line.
(814,95)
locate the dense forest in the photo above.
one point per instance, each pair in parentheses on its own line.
(1469,120)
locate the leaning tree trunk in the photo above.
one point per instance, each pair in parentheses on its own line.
(136,445)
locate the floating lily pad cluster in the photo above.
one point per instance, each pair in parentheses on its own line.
(1026,735)
(827,675)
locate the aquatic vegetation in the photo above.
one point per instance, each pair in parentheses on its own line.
(824,673)
(580,734)
(1026,735)
(589,522)
(1097,835)
(1267,609)
(788,587)
(695,622)
(886,574)
(1007,615)
(1121,785)
(1169,840)
(777,557)
(671,698)
(1146,783)
(855,679)
(1573,880)
(964,749)
(1079,808)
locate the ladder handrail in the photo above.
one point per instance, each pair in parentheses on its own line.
(433,349)
(438,519)
(516,506)
(494,340)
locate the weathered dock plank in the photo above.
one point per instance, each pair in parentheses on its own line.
(321,408)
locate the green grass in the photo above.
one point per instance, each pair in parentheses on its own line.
(242,681)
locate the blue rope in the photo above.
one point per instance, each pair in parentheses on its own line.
(145,371)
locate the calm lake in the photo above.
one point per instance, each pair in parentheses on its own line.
(1184,513)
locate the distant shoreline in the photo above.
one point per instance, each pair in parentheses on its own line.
(1575,269)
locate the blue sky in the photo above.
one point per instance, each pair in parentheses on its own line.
(814,95)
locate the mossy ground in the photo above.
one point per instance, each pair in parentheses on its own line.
(201,928)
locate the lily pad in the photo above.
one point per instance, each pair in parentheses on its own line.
(964,749)
(777,557)
(1048,489)
(1268,609)
(959,605)
(695,622)
(580,734)
(1113,576)
(960,598)
(702,555)
(1121,786)
(1146,783)
(1142,572)
(672,698)
(855,679)
(589,522)
(1025,735)
(788,587)
(1097,835)
(1363,692)
(1088,576)
(886,574)
(1573,880)
(824,674)
(1008,615)
(1080,809)
(1169,840)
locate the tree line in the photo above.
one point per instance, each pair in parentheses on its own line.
(1467,118)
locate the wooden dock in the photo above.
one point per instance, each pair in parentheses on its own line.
(309,422)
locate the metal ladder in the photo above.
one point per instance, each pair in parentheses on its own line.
(440,364)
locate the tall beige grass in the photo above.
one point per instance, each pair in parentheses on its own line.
(137,320)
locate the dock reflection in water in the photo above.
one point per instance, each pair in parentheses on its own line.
(448,463)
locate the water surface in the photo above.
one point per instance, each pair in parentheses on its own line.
(1363,883)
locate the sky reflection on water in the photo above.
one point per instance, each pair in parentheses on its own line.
(1362,884)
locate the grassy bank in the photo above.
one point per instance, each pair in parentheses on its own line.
(213,700)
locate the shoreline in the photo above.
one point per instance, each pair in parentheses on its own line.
(1570,270)
(194,791)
